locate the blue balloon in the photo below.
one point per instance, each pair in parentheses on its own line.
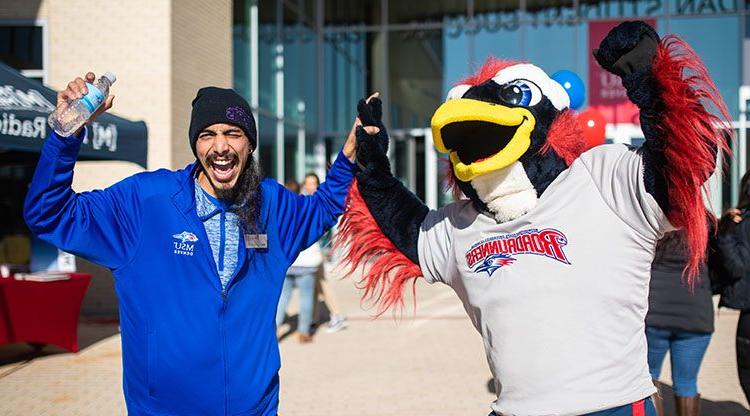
(573,85)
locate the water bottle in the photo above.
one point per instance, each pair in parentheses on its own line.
(66,120)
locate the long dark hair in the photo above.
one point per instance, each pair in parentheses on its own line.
(744,202)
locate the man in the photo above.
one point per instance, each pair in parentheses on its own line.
(198,255)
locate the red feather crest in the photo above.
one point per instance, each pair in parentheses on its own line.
(387,270)
(695,122)
(565,137)
(488,70)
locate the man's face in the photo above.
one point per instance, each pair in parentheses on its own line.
(223,150)
(310,185)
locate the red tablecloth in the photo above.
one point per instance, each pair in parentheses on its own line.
(42,312)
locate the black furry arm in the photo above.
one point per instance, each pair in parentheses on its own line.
(397,211)
(629,51)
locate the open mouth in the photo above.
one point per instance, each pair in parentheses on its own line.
(224,169)
(481,137)
(486,139)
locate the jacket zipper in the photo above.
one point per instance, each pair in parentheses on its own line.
(222,240)
(224,295)
(222,312)
(224,349)
(241,259)
(198,224)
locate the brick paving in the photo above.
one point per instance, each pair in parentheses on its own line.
(428,363)
(83,384)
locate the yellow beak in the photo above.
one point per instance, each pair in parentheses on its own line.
(459,121)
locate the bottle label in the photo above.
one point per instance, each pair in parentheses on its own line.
(93,99)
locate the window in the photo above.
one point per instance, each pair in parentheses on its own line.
(22,48)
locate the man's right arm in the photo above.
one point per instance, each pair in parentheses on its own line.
(102,226)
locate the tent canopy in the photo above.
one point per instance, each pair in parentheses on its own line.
(25,105)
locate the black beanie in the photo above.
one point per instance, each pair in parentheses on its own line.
(219,105)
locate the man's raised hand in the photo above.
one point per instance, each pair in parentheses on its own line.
(76,89)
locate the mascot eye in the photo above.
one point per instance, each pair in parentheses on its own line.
(521,92)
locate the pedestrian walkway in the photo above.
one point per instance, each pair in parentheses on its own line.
(426,364)
(85,384)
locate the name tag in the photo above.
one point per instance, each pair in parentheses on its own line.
(256,240)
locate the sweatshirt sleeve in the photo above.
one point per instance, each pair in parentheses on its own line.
(617,172)
(435,245)
(102,226)
(733,248)
(302,220)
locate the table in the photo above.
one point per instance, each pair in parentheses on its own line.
(42,312)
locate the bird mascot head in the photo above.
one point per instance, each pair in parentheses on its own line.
(509,132)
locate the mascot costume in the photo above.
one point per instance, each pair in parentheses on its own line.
(551,248)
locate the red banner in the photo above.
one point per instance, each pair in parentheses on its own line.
(606,93)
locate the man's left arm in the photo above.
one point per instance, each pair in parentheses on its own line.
(302,220)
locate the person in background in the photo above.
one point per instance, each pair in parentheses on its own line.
(680,320)
(310,183)
(302,276)
(734,247)
(337,320)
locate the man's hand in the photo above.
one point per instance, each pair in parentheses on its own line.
(350,147)
(77,89)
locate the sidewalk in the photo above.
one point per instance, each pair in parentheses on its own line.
(428,364)
(87,383)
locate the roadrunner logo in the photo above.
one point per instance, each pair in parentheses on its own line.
(493,253)
(184,247)
(494,262)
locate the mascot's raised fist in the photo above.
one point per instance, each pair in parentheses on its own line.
(628,48)
(372,149)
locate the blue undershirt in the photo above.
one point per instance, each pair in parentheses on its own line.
(223,230)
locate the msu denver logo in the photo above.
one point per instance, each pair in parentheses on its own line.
(493,253)
(184,246)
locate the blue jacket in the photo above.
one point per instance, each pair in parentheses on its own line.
(187,347)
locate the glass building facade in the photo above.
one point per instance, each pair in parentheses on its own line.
(304,64)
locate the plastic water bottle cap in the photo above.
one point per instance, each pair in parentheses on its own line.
(110,76)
